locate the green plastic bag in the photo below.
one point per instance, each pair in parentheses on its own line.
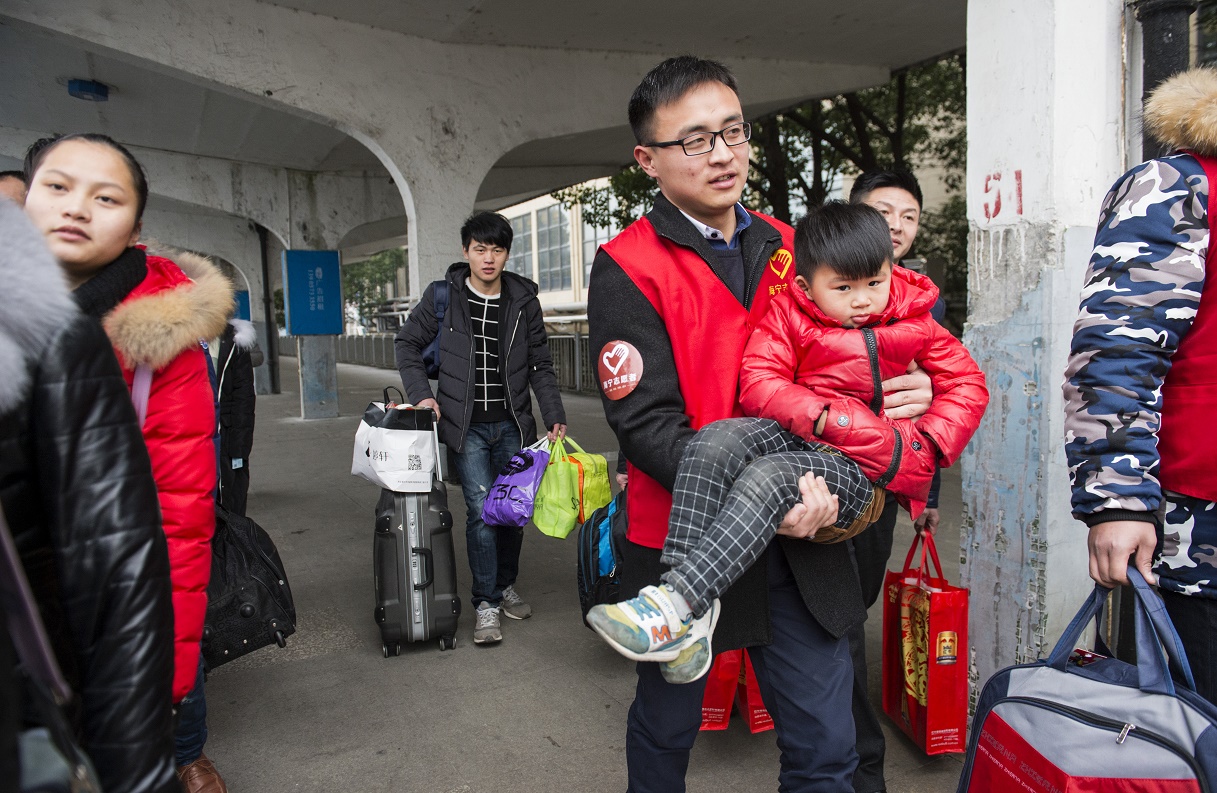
(556,509)
(594,489)
(574,486)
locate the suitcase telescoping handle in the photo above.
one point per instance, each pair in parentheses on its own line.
(1154,632)
(429,577)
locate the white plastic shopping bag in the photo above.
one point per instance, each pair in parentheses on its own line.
(396,447)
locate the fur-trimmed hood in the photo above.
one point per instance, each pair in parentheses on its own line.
(35,302)
(244,335)
(185,298)
(1182,111)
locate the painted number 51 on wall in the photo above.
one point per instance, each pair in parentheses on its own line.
(1003,194)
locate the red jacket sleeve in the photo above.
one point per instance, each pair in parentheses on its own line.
(960,395)
(180,431)
(767,375)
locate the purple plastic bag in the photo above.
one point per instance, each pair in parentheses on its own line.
(511,497)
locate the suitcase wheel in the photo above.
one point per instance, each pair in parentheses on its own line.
(447,642)
(280,639)
(390,650)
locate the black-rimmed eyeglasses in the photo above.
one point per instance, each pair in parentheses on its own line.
(703,142)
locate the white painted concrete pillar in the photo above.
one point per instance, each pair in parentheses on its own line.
(1045,142)
(438,196)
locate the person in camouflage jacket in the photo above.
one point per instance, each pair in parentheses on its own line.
(1140,299)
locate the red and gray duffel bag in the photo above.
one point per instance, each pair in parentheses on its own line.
(1081,722)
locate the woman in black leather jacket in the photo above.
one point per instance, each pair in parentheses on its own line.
(77,490)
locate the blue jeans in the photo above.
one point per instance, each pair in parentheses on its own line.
(191,732)
(494,551)
(805,677)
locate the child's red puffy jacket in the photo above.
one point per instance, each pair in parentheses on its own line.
(799,363)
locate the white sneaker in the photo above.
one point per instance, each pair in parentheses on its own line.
(696,656)
(648,627)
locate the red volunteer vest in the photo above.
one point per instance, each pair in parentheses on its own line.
(1187,441)
(708,329)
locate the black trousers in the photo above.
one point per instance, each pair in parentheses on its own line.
(804,677)
(1195,619)
(871,550)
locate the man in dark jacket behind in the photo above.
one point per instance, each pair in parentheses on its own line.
(77,490)
(239,354)
(492,348)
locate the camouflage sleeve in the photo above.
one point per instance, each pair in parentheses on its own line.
(1140,296)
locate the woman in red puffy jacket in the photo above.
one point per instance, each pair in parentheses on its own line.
(86,196)
(811,378)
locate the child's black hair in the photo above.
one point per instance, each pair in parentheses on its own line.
(488,228)
(851,239)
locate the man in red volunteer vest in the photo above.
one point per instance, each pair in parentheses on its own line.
(671,302)
(1141,383)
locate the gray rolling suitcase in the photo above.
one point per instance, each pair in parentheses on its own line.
(415,564)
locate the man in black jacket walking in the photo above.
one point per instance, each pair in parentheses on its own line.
(492,348)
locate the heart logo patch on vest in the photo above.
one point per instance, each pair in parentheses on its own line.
(780,262)
(620,368)
(615,358)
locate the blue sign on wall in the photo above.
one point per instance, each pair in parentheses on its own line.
(312,293)
(242,298)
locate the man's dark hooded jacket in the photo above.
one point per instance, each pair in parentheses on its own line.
(523,357)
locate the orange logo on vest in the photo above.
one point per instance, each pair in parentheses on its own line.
(780,261)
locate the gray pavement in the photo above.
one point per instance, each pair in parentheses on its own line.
(543,711)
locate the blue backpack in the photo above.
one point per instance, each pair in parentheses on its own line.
(600,539)
(439,293)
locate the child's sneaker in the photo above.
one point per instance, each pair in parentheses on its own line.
(645,628)
(695,656)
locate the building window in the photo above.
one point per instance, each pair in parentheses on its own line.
(595,236)
(520,260)
(553,249)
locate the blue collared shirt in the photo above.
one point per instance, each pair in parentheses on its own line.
(716,237)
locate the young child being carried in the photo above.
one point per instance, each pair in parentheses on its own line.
(811,379)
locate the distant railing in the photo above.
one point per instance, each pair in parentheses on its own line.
(573,362)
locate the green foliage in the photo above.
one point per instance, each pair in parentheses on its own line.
(280,312)
(364,285)
(628,197)
(915,119)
